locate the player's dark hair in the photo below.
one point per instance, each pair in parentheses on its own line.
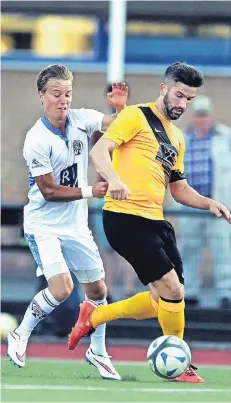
(56,71)
(183,73)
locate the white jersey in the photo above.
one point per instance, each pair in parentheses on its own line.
(45,151)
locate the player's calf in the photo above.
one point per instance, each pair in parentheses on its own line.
(61,286)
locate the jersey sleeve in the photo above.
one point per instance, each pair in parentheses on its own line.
(178,172)
(91,119)
(125,126)
(37,158)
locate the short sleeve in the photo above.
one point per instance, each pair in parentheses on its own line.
(37,157)
(125,126)
(178,172)
(91,119)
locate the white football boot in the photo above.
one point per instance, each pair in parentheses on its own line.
(17,348)
(103,364)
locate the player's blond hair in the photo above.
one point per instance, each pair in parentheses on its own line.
(54,71)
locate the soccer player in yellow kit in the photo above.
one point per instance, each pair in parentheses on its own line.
(148,154)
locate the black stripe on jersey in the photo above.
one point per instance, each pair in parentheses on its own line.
(155,124)
(166,153)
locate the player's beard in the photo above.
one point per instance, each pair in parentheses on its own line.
(169,109)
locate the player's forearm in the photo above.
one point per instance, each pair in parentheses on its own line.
(190,197)
(102,161)
(59,193)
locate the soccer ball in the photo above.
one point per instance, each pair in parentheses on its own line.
(7,324)
(168,356)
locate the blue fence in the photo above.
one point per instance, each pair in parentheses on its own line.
(142,50)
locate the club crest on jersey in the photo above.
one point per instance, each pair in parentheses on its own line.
(77,147)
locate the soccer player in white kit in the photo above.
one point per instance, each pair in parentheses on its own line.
(56,217)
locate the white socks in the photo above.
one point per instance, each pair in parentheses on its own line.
(98,337)
(40,307)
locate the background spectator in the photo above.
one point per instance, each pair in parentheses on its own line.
(208,170)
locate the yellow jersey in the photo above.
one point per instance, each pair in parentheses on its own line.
(150,154)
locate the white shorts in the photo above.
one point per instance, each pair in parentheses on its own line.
(57,254)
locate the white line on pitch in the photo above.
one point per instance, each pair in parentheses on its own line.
(134,363)
(200,389)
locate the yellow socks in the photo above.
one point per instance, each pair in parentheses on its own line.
(171,317)
(140,306)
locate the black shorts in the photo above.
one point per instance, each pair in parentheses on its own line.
(148,245)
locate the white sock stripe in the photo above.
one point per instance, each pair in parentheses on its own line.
(47,299)
(51,297)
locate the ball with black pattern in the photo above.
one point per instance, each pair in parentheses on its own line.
(169,356)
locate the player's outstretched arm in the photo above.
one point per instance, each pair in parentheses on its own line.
(185,194)
(52,191)
(117,98)
(220,210)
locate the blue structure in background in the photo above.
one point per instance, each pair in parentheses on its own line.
(142,50)
(208,51)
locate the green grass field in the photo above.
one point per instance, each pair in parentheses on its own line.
(64,381)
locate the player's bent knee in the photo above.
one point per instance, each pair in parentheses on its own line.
(96,291)
(97,294)
(169,286)
(176,293)
(172,291)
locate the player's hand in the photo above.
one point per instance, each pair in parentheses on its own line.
(220,210)
(99,189)
(119,96)
(118,190)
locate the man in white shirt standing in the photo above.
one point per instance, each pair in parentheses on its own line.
(56,217)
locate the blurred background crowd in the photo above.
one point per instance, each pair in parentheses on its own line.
(146,36)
